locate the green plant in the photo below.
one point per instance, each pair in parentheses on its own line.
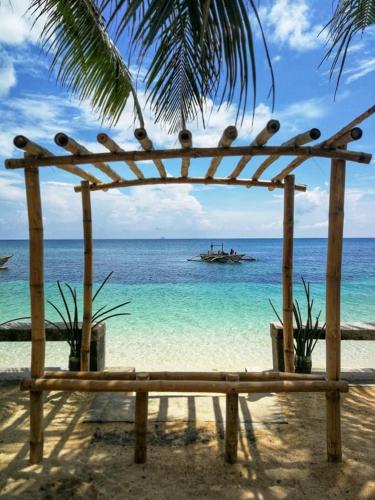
(309,332)
(69,314)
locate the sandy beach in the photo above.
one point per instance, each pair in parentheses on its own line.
(276,461)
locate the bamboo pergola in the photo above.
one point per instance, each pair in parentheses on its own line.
(231,384)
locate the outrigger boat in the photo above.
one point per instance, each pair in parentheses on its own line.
(222,257)
(4,260)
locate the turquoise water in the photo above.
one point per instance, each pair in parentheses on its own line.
(191,315)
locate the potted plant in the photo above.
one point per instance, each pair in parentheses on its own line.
(68,313)
(307,333)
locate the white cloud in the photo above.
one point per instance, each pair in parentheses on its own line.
(7,74)
(361,69)
(289,22)
(16,25)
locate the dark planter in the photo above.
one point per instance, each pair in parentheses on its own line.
(74,363)
(303,364)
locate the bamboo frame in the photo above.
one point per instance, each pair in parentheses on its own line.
(298,140)
(300,151)
(113,147)
(33,149)
(141,135)
(34,209)
(69,144)
(87,277)
(208,376)
(261,139)
(287,273)
(333,289)
(229,136)
(216,382)
(351,135)
(186,140)
(231,429)
(189,180)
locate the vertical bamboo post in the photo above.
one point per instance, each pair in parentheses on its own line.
(333,285)
(87,278)
(34,209)
(231,428)
(140,423)
(288,227)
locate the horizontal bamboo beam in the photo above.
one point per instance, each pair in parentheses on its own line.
(351,135)
(141,135)
(112,146)
(186,140)
(229,135)
(189,180)
(163,375)
(309,151)
(298,140)
(42,384)
(22,142)
(69,144)
(261,139)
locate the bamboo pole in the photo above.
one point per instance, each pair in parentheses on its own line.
(359,119)
(288,227)
(141,135)
(34,210)
(298,140)
(231,427)
(168,154)
(22,142)
(243,376)
(69,144)
(349,136)
(333,293)
(190,180)
(229,135)
(112,146)
(87,278)
(70,385)
(140,423)
(261,139)
(186,141)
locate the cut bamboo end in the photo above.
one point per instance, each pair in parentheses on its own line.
(229,135)
(69,144)
(186,140)
(113,147)
(269,130)
(141,135)
(31,148)
(352,135)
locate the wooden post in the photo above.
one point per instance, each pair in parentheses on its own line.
(231,429)
(288,273)
(34,209)
(140,423)
(87,278)
(333,333)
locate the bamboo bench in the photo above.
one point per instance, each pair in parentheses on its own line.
(21,332)
(349,331)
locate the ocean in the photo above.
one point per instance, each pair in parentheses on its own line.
(190,315)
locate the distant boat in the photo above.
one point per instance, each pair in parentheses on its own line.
(222,257)
(4,260)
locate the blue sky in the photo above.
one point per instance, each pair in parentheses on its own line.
(31,103)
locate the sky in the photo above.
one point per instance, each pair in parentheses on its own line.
(33,104)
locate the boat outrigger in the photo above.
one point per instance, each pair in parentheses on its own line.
(4,260)
(222,257)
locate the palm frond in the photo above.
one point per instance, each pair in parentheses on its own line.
(86,60)
(350,18)
(199,50)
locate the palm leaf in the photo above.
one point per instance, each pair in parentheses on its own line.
(84,56)
(350,18)
(199,50)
